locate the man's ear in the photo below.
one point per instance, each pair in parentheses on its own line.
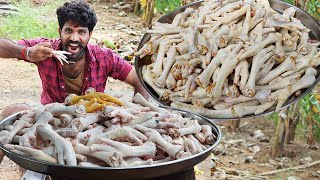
(59,30)
(90,34)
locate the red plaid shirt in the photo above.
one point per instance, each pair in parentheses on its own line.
(102,63)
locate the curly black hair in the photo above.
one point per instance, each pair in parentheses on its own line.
(79,12)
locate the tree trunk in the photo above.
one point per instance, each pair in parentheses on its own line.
(136,7)
(148,12)
(303,4)
(185,2)
(278,143)
(291,122)
(234,124)
(310,134)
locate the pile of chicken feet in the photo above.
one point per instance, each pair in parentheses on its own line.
(230,58)
(137,133)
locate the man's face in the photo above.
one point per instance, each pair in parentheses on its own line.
(74,39)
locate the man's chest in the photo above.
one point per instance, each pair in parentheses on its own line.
(73,71)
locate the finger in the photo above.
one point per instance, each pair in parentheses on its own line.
(46,51)
(50,50)
(46,44)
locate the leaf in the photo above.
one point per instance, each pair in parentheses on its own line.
(312,7)
(317,96)
(313,100)
(109,44)
(315,109)
(315,103)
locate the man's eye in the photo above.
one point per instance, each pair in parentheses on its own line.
(67,30)
(82,32)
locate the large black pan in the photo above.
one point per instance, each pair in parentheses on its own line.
(127,173)
(277,5)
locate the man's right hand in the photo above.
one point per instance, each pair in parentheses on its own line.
(40,52)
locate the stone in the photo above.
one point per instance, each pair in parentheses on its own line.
(293,178)
(122,14)
(305,160)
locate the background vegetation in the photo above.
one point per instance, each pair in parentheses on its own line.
(164,6)
(31,22)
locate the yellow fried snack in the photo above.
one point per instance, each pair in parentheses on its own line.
(109,98)
(81,101)
(73,98)
(95,107)
(89,103)
(99,100)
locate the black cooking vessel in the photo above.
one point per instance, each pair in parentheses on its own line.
(122,173)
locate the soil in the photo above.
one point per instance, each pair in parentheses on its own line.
(238,156)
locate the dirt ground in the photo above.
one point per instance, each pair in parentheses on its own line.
(240,154)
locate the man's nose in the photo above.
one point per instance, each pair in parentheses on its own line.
(74,37)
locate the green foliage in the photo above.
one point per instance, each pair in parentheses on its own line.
(314,8)
(273,117)
(305,105)
(109,44)
(31,21)
(310,107)
(164,6)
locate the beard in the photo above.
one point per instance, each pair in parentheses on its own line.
(77,50)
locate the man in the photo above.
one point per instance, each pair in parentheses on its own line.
(88,65)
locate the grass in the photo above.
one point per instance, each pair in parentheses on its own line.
(31,22)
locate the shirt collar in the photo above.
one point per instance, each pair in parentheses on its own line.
(90,54)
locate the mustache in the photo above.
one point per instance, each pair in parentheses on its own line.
(75,42)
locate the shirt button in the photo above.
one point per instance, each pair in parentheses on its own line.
(87,78)
(62,87)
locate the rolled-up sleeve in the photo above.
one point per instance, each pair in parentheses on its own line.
(31,42)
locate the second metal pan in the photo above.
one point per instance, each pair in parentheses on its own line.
(278,6)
